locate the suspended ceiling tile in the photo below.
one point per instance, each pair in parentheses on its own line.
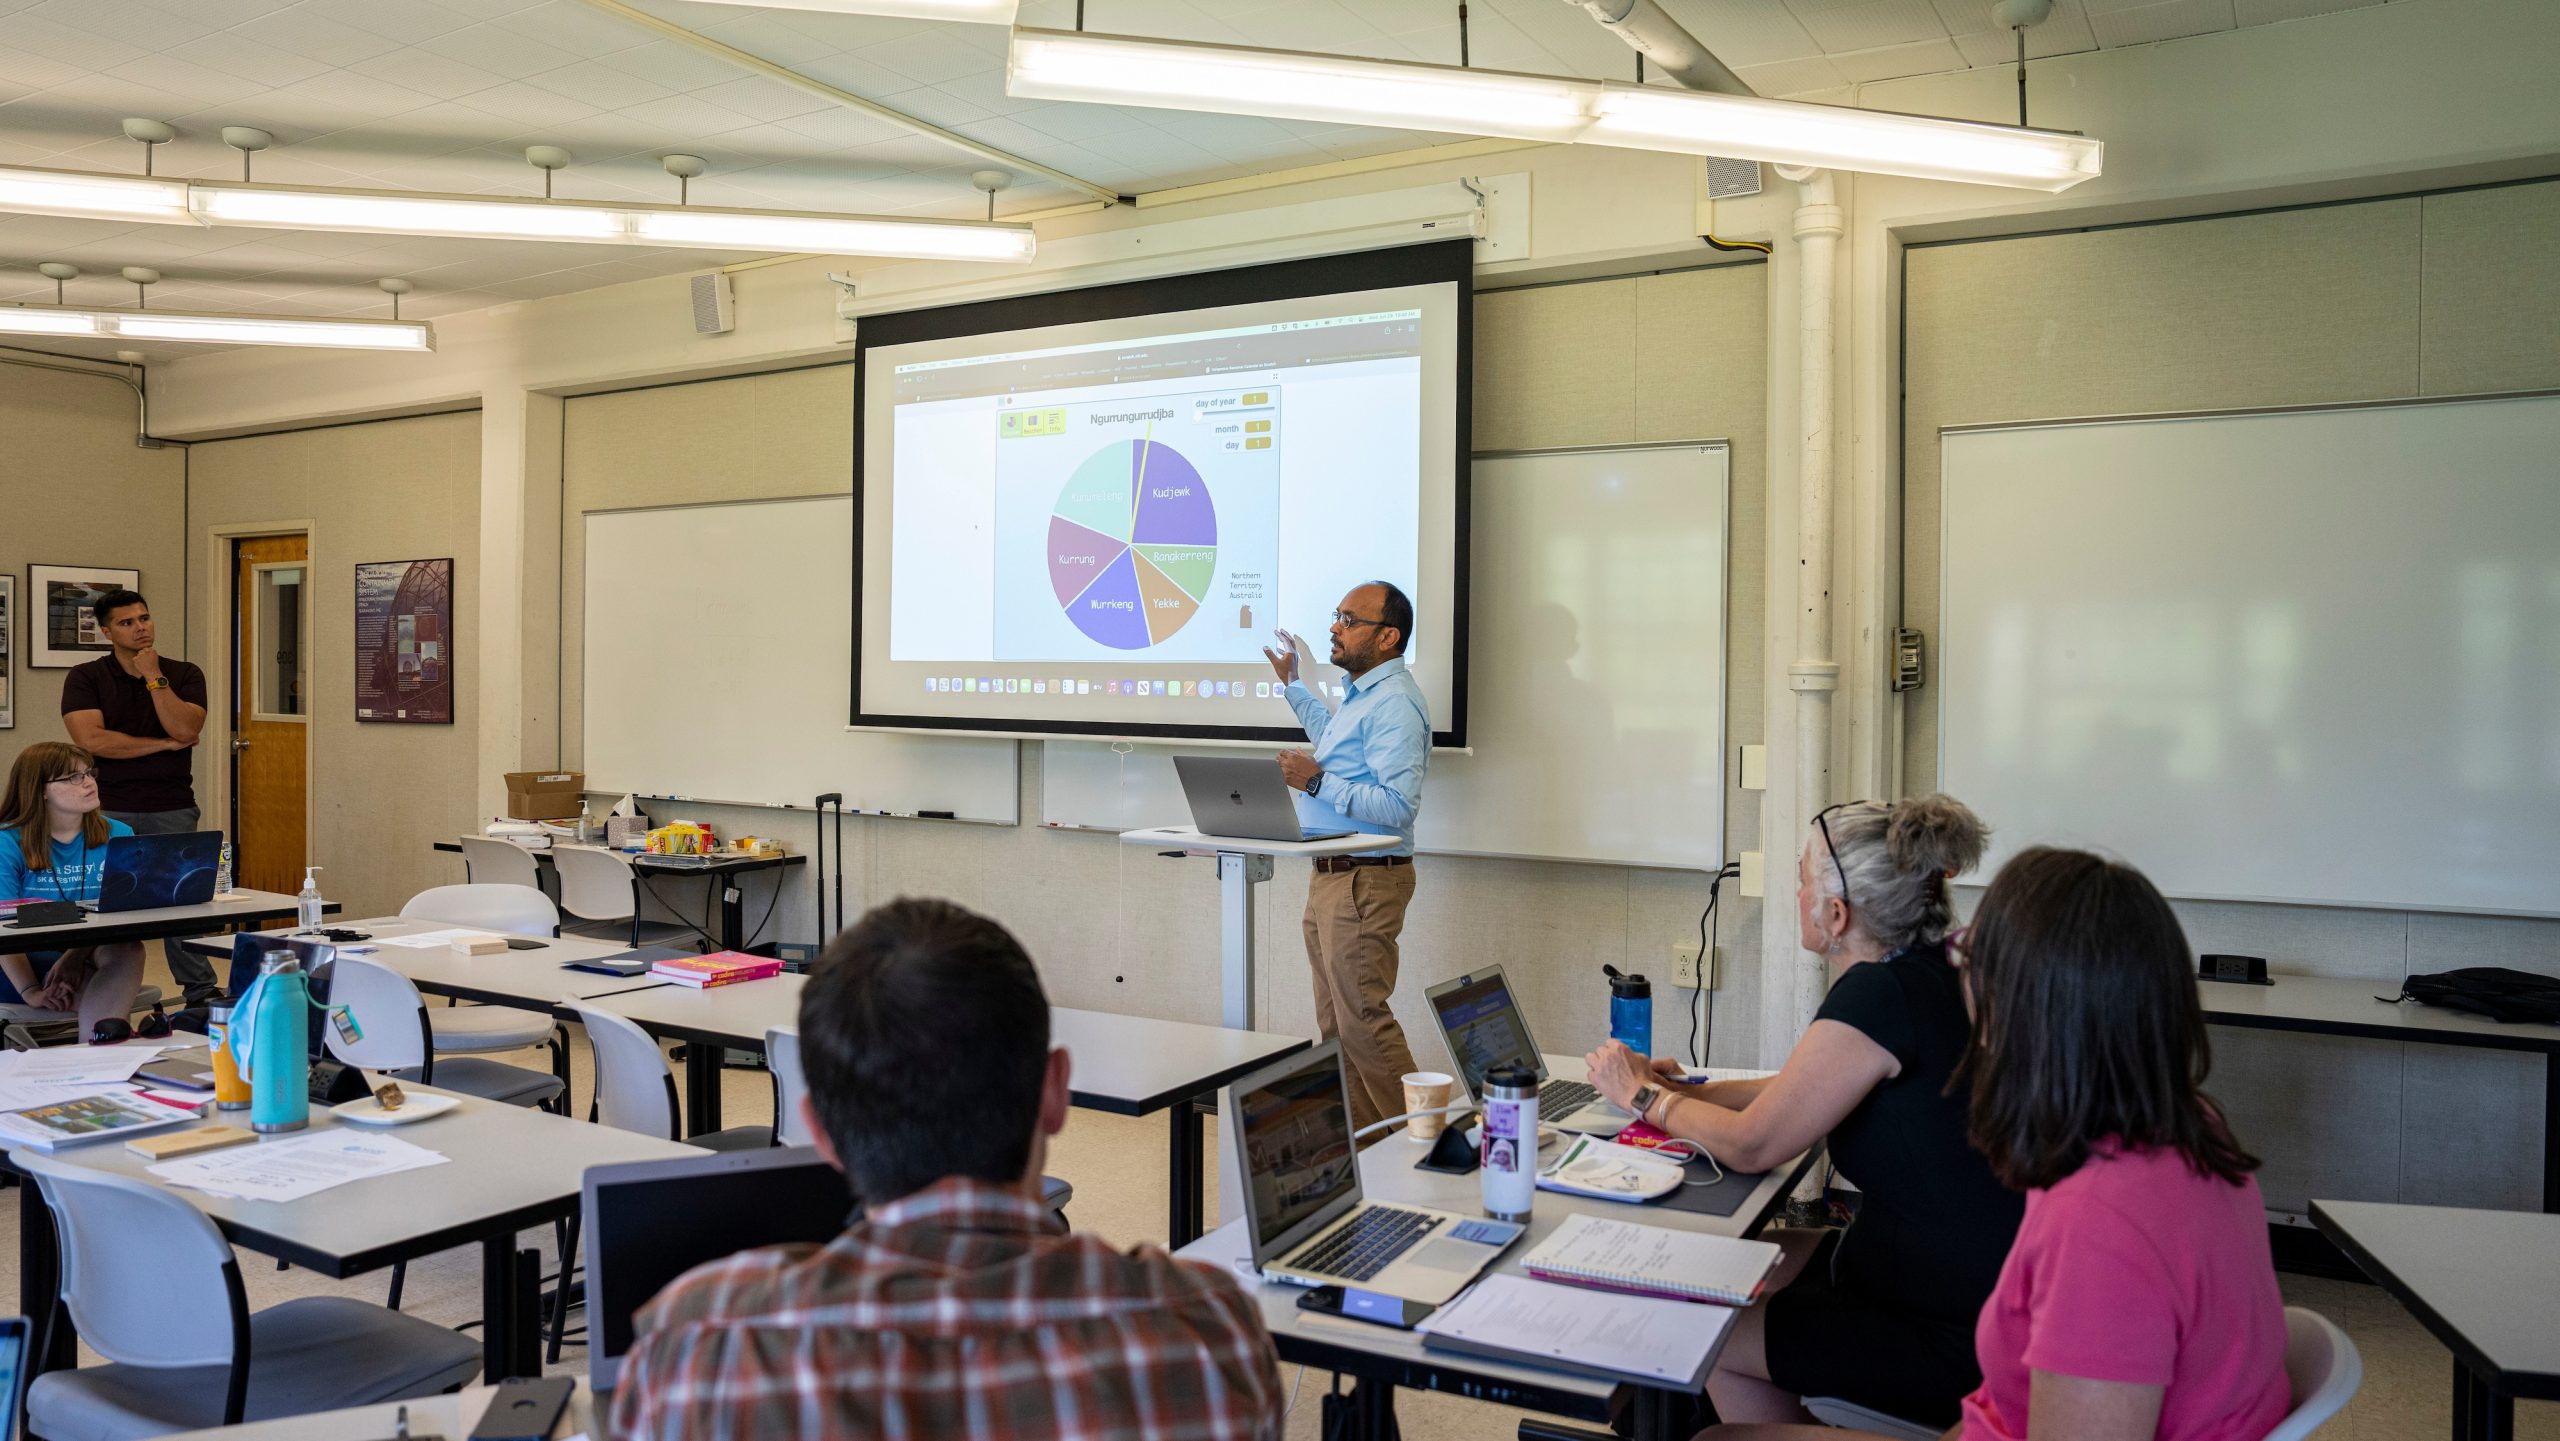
(497,50)
(307,32)
(2063,34)
(85,49)
(1841,26)
(934,106)
(237,54)
(128,21)
(221,14)
(572,30)
(765,35)
(2267,12)
(427,73)
(32,71)
(407,21)
(1792,77)
(1076,122)
(1892,62)
(838,128)
(528,104)
(674,66)
(2172,20)
(854,72)
(764,99)
(1746,32)
(682,117)
(929,57)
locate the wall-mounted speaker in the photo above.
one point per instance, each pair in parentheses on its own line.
(715,310)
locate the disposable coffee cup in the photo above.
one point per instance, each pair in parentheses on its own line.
(1426,1091)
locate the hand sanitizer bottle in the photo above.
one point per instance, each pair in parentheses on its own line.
(307,900)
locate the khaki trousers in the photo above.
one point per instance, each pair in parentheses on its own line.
(1353,919)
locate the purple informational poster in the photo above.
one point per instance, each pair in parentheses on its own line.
(404,641)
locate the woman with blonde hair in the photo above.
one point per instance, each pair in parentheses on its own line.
(53,847)
(1881,1313)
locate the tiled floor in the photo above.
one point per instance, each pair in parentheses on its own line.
(1117,1165)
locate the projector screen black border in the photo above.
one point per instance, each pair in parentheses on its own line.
(1430,263)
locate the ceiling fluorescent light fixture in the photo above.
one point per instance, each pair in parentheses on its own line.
(97,197)
(1789,132)
(391,213)
(983,12)
(1232,80)
(218,329)
(832,234)
(1294,85)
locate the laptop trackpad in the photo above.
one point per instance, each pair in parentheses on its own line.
(1443,1254)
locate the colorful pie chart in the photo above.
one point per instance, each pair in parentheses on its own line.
(1133,544)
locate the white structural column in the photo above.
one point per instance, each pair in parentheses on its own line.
(1814,675)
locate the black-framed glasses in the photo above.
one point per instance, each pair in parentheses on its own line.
(1822,822)
(1346,618)
(73,778)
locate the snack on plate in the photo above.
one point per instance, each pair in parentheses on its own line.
(389,1096)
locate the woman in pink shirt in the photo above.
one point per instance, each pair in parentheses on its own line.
(2139,1300)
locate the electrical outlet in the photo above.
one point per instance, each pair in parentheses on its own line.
(1684,966)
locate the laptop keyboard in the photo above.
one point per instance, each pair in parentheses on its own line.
(1363,1248)
(1561,1098)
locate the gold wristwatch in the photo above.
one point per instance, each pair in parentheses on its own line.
(157,682)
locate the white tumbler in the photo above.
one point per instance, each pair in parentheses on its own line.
(1509,1150)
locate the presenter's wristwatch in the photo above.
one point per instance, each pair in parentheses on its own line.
(1642,1101)
(1314,783)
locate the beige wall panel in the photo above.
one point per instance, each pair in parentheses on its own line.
(76,490)
(2288,308)
(2323,1112)
(2491,291)
(2443,943)
(2471,1128)
(1555,365)
(2303,940)
(391,490)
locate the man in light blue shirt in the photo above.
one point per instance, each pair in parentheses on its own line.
(1368,763)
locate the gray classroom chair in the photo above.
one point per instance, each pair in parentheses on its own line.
(16,1017)
(397,1026)
(487,862)
(485,1030)
(597,888)
(782,1062)
(183,1350)
(636,1089)
(2321,1367)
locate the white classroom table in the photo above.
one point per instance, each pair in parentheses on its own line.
(239,908)
(1126,1065)
(451,1417)
(1381,1358)
(1244,863)
(508,1168)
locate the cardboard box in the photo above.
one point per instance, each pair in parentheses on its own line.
(544,795)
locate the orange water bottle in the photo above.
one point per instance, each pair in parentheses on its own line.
(230,1092)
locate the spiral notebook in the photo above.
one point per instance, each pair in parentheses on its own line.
(1612,1255)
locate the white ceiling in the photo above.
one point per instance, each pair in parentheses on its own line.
(445,94)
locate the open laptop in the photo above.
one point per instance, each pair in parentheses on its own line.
(1484,1028)
(648,1222)
(13,1373)
(1302,1204)
(1246,796)
(147,873)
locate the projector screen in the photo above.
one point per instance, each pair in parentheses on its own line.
(1086,513)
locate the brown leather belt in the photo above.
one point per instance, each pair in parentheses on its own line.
(1331,864)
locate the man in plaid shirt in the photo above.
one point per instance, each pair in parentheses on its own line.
(958,1306)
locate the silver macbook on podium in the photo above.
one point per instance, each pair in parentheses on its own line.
(1245,796)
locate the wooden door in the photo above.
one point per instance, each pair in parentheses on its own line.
(271,711)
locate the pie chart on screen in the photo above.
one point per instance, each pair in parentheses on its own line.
(1133,544)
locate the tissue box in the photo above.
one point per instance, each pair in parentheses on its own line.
(625,832)
(544,795)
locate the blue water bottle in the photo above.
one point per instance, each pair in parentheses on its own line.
(1630,1011)
(270,1033)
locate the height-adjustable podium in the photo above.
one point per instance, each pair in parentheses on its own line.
(1244,863)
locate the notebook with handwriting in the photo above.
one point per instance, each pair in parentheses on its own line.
(1613,1255)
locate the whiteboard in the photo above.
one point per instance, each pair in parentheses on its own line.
(1596,653)
(2307,656)
(718,668)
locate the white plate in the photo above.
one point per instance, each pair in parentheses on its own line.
(366,1111)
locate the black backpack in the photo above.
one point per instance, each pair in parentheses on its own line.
(2493,991)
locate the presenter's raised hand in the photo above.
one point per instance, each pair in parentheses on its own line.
(1284,663)
(1298,768)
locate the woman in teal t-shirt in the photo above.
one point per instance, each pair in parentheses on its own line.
(53,847)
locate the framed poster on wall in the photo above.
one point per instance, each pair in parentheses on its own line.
(8,651)
(404,641)
(61,632)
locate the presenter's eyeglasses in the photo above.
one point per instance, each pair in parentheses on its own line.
(1346,618)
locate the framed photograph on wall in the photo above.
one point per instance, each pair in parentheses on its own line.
(8,651)
(61,632)
(404,641)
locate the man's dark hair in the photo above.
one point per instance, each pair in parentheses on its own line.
(1396,609)
(104,607)
(2086,1027)
(924,1036)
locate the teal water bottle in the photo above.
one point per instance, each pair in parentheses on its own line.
(270,1033)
